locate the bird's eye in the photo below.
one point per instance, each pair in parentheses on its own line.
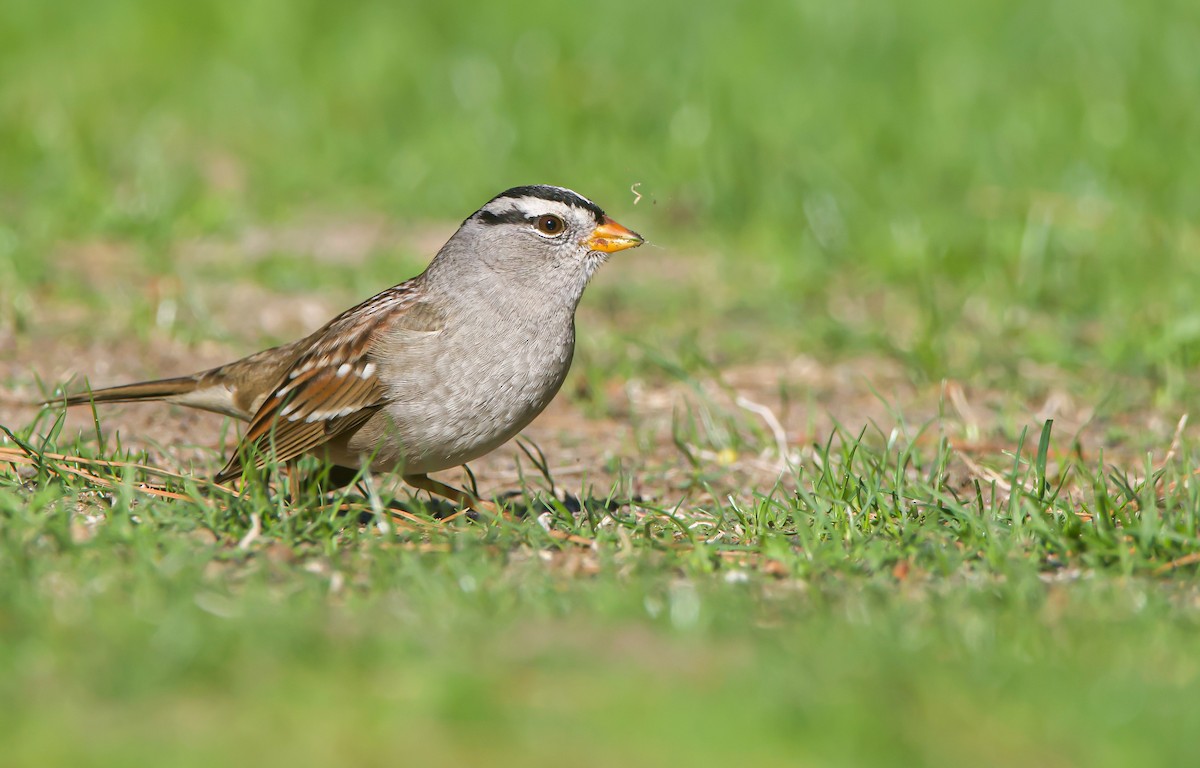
(550,225)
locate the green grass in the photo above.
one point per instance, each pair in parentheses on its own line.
(994,193)
(876,615)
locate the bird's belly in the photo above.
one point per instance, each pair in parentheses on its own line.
(453,411)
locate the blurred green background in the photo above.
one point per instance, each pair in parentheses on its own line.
(967,188)
(961,185)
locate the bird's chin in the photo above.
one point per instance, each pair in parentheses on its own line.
(592,262)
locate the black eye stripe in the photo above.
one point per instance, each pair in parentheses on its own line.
(508,217)
(516,217)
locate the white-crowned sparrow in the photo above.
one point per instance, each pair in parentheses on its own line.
(431,373)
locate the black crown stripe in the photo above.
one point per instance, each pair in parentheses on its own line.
(557,194)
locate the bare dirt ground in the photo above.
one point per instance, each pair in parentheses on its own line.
(780,410)
(753,420)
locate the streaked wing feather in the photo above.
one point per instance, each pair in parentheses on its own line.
(332,387)
(306,413)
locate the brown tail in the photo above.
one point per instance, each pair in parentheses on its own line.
(231,389)
(160,389)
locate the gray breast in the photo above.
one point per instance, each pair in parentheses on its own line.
(462,390)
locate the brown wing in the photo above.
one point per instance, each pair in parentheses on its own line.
(333,386)
(307,412)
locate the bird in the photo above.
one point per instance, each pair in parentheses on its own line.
(426,375)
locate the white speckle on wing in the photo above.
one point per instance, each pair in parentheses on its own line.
(367,371)
(343,369)
(327,415)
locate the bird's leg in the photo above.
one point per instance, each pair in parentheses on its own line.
(293,482)
(467,501)
(461,498)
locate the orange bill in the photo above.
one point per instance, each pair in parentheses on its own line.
(611,237)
